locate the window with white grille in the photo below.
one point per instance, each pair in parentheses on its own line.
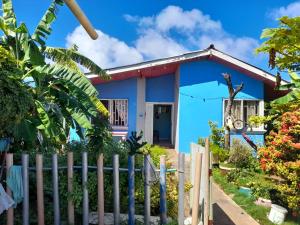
(244,109)
(118,111)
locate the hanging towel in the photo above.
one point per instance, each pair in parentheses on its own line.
(15,183)
(5,200)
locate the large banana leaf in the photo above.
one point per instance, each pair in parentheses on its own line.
(50,124)
(62,54)
(294,95)
(43,29)
(62,72)
(74,107)
(91,103)
(9,14)
(3,26)
(293,87)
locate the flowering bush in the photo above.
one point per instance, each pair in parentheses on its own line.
(281,156)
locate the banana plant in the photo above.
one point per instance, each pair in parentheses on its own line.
(294,90)
(63,96)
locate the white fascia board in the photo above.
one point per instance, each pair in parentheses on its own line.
(244,65)
(153,63)
(188,56)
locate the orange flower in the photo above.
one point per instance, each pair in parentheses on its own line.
(296,145)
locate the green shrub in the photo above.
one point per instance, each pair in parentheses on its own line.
(261,188)
(240,155)
(216,140)
(220,153)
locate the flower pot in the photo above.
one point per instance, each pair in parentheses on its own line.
(4,142)
(246,191)
(277,214)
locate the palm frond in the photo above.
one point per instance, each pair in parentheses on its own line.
(62,72)
(43,29)
(9,15)
(91,104)
(64,55)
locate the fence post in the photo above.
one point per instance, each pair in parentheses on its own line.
(195,209)
(55,190)
(100,190)
(131,210)
(147,190)
(210,216)
(40,189)
(10,211)
(116,189)
(85,203)
(25,189)
(206,182)
(71,216)
(181,168)
(163,191)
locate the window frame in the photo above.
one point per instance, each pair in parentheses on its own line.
(261,109)
(116,127)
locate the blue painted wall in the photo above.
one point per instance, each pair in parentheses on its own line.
(160,89)
(201,92)
(124,89)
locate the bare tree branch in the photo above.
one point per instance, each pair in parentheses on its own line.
(232,93)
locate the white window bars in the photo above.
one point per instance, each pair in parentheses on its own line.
(118,112)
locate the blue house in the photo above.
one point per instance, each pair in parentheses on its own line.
(172,99)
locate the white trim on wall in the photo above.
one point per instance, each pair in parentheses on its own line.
(141,105)
(176,109)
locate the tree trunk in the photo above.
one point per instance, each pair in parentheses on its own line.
(232,93)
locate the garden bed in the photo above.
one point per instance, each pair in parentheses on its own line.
(259,213)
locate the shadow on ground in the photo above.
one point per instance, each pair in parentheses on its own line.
(220,217)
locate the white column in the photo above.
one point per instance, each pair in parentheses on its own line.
(140,112)
(176,109)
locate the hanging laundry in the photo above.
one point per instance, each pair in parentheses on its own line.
(5,200)
(15,183)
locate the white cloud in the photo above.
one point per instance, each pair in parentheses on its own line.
(174,30)
(153,44)
(170,32)
(106,51)
(291,10)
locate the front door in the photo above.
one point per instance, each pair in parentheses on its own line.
(162,124)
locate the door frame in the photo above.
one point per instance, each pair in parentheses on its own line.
(149,127)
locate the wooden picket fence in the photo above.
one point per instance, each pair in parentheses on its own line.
(115,169)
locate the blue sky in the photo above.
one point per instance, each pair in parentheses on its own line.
(131,31)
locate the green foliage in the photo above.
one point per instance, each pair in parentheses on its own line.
(134,143)
(294,91)
(281,155)
(56,96)
(247,203)
(221,153)
(15,101)
(283,44)
(71,56)
(217,134)
(240,154)
(262,188)
(155,152)
(201,141)
(216,139)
